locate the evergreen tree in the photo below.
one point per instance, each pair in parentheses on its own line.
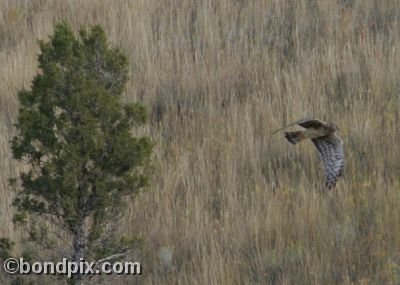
(74,137)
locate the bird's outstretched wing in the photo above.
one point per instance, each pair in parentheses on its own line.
(305,123)
(331,152)
(311,123)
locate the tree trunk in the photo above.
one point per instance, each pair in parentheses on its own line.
(79,251)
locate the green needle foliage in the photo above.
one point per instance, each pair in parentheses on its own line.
(75,139)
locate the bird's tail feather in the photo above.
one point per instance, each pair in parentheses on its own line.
(294,137)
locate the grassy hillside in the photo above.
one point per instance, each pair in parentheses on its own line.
(235,204)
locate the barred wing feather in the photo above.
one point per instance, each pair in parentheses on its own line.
(330,149)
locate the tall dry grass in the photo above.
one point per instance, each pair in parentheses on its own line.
(233,204)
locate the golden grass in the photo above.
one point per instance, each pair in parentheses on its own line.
(232,203)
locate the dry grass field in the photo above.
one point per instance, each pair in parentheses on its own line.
(233,204)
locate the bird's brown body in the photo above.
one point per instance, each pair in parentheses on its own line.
(311,133)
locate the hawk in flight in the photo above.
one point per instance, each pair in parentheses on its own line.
(328,144)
